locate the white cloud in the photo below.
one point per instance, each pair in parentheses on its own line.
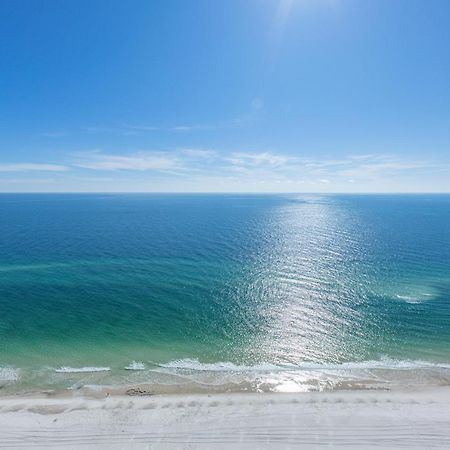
(372,167)
(26,181)
(141,127)
(183,128)
(27,167)
(199,153)
(256,166)
(195,169)
(138,161)
(257,159)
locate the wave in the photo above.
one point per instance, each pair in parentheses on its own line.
(195,364)
(191,375)
(305,376)
(409,299)
(135,365)
(8,375)
(386,363)
(417,298)
(82,369)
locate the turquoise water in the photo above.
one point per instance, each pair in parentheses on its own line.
(224,292)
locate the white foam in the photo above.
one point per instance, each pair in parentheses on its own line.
(196,365)
(8,374)
(82,369)
(304,376)
(408,298)
(415,296)
(135,365)
(386,363)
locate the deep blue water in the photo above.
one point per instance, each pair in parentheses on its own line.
(273,292)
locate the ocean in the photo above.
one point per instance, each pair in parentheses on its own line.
(222,293)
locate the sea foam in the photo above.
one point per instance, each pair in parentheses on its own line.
(135,365)
(8,375)
(82,369)
(384,363)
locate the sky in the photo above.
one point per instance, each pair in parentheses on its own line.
(225,96)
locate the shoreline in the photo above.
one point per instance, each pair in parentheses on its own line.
(147,389)
(189,376)
(416,418)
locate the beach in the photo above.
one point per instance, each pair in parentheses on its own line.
(346,419)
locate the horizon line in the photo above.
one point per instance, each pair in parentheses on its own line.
(224,193)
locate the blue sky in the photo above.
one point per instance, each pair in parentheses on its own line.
(226,95)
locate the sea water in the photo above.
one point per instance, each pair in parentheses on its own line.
(224,292)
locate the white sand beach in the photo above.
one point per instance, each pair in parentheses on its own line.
(340,419)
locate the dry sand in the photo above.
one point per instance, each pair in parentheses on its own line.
(354,419)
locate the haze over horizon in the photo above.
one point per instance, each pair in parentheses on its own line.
(256,96)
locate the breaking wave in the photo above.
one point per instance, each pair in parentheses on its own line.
(82,369)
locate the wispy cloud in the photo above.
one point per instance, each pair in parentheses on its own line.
(349,169)
(140,127)
(199,153)
(266,163)
(135,129)
(246,118)
(138,161)
(174,128)
(28,167)
(27,181)
(185,128)
(258,159)
(197,168)
(374,166)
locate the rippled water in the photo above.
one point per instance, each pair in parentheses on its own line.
(224,292)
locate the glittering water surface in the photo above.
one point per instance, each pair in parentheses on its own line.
(226,292)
